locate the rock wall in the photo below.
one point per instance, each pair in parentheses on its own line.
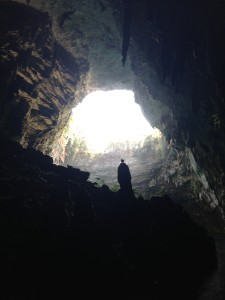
(176,49)
(39,78)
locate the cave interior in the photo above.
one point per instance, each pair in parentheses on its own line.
(66,224)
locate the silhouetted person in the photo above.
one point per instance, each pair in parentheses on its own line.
(124,177)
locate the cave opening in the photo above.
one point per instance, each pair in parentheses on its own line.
(105,127)
(107,118)
(60,232)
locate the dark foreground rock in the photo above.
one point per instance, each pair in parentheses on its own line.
(60,236)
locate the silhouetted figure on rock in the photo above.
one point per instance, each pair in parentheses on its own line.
(124,177)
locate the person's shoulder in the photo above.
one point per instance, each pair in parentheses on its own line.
(122,165)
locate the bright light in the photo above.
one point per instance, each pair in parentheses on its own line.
(109,117)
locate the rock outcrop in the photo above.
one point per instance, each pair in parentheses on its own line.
(60,234)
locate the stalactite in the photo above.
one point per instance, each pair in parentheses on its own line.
(128,14)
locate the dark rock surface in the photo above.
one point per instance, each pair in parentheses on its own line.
(176,50)
(60,235)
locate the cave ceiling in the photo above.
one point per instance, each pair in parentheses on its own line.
(75,46)
(53,53)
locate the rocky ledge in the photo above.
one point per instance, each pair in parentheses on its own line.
(61,235)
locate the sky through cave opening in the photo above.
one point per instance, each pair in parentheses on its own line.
(108,118)
(105,127)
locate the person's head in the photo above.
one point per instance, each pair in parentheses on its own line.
(122,160)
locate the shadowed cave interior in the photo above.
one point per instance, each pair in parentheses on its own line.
(67,226)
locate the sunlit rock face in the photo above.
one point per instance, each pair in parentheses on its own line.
(38,76)
(91,29)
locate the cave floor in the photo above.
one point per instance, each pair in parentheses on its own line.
(61,235)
